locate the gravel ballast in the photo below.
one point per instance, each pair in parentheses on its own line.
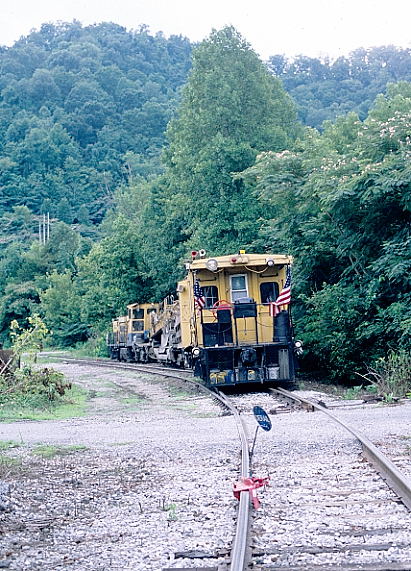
(151,478)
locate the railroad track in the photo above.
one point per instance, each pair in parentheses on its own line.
(153,368)
(330,509)
(239,554)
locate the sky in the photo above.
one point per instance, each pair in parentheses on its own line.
(291,27)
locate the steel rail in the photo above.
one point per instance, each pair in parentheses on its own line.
(399,483)
(238,559)
(121,364)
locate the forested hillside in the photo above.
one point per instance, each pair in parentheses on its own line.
(325,89)
(142,148)
(81,110)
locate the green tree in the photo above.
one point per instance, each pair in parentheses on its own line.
(340,202)
(231,109)
(28,339)
(64,211)
(111,275)
(19,302)
(61,307)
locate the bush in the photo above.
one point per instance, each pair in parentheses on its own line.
(95,346)
(330,330)
(392,375)
(47,384)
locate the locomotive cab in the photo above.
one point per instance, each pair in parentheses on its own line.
(130,335)
(236,320)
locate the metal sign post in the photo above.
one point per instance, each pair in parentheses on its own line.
(263,420)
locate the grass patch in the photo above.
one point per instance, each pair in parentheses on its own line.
(50,451)
(131,400)
(52,357)
(178,393)
(358,392)
(8,463)
(93,347)
(391,375)
(8,444)
(35,407)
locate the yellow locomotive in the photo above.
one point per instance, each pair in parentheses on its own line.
(229,321)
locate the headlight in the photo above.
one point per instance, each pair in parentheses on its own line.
(298,346)
(212,265)
(195,352)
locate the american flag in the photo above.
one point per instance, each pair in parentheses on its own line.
(199,299)
(285,295)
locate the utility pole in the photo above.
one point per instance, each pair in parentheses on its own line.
(44,229)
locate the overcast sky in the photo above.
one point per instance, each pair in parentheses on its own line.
(310,27)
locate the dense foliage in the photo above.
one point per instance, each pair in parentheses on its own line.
(325,89)
(80,110)
(342,204)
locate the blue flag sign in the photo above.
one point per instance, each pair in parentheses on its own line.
(262,418)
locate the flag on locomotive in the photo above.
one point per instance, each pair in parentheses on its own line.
(284,298)
(199,299)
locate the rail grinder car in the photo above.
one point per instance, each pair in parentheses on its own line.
(229,322)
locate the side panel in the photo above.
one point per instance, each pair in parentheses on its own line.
(186,298)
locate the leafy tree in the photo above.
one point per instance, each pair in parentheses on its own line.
(28,340)
(340,202)
(19,302)
(61,306)
(64,211)
(231,109)
(104,290)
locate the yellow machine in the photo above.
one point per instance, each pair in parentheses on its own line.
(229,321)
(128,339)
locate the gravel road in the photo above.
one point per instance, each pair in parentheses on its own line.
(146,477)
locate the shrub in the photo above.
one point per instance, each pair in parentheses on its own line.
(391,374)
(46,383)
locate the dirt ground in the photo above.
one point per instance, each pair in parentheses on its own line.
(145,474)
(102,491)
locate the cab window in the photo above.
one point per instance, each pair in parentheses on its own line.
(268,291)
(138,325)
(238,287)
(210,294)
